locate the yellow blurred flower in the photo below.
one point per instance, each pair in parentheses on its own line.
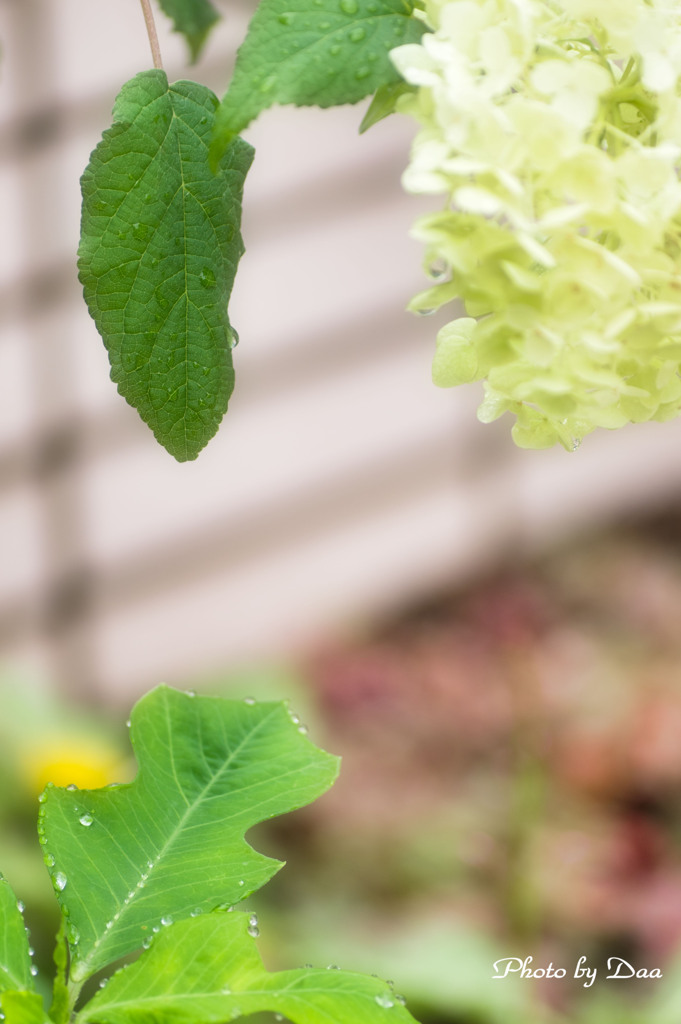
(71,759)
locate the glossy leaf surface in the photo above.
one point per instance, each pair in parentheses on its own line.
(313,53)
(132,858)
(207,970)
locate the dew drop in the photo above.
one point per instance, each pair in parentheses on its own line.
(438,269)
(34,970)
(356,36)
(362,72)
(302,729)
(286,18)
(233,342)
(253,931)
(207,278)
(226,991)
(349,6)
(59,880)
(31,951)
(196,912)
(324,26)
(190,693)
(166,920)
(42,798)
(385,1000)
(128,723)
(576,442)
(249,700)
(425,312)
(86,819)
(21,906)
(147,942)
(103,983)
(71,786)
(335,50)
(241,881)
(332,967)
(400,999)
(268,84)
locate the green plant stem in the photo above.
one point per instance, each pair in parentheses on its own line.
(65,993)
(151,32)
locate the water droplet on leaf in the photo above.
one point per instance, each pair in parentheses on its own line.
(86,819)
(438,269)
(349,6)
(59,880)
(385,1000)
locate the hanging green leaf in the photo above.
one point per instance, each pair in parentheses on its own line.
(15,961)
(207,971)
(160,244)
(130,859)
(193,18)
(313,53)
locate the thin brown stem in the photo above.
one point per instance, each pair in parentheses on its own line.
(151,32)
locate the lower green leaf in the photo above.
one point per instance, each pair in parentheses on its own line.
(207,970)
(23,1008)
(160,244)
(15,960)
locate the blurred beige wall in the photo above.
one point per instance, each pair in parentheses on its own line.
(342,483)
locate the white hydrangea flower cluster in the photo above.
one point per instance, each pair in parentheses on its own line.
(553,127)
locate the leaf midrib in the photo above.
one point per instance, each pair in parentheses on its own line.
(100,945)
